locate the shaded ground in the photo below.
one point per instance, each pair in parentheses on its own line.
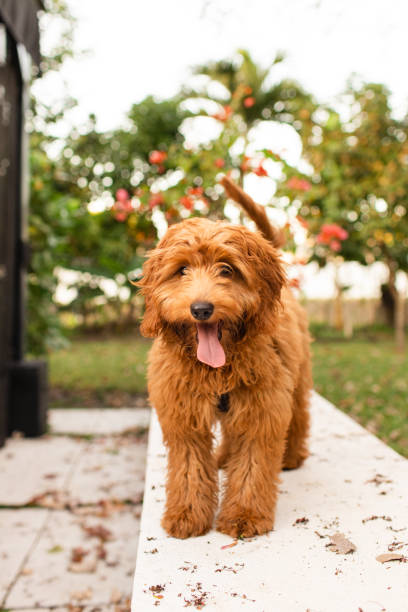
(70,505)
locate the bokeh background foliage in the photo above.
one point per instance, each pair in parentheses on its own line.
(101,199)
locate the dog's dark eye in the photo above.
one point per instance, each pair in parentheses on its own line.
(182,271)
(226,270)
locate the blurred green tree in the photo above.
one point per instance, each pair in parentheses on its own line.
(358,181)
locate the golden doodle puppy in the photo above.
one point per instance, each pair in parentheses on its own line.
(232,345)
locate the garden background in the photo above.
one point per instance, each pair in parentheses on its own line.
(332,174)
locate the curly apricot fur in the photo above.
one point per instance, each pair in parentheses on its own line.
(267,376)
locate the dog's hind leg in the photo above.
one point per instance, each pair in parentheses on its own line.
(296,441)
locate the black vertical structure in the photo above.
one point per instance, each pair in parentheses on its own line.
(22,383)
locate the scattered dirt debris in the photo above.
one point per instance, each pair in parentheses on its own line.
(379,479)
(198,600)
(396,530)
(396,545)
(158,588)
(301,521)
(226,568)
(375,518)
(152,552)
(188,567)
(392,557)
(340,544)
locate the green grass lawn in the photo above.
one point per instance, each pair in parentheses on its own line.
(368,380)
(99,372)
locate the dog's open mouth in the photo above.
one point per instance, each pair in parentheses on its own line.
(209,349)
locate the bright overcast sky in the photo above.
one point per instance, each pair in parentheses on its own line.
(140,48)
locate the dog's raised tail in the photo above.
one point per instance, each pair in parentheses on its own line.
(255,211)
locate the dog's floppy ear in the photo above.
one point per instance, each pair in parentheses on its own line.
(265,260)
(150,326)
(266,275)
(272,273)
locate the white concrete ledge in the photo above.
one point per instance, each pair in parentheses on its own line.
(352,484)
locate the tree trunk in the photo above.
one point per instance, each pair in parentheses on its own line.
(338,299)
(399,328)
(399,306)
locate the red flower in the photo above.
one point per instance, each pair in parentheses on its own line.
(246,165)
(187,202)
(224,115)
(157,157)
(332,235)
(335,245)
(122,195)
(302,221)
(248,102)
(298,183)
(196,191)
(294,282)
(219,162)
(260,171)
(120,216)
(155,200)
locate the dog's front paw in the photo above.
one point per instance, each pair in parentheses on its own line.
(185,523)
(242,523)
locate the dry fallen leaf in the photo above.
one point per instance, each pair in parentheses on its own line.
(116,596)
(391,557)
(340,544)
(77,554)
(234,543)
(56,500)
(98,531)
(86,566)
(81,595)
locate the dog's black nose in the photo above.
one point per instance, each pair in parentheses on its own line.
(202,310)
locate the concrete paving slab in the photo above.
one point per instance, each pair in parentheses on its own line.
(94,421)
(110,467)
(18,531)
(352,484)
(30,467)
(49,579)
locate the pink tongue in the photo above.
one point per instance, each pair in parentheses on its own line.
(209,349)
